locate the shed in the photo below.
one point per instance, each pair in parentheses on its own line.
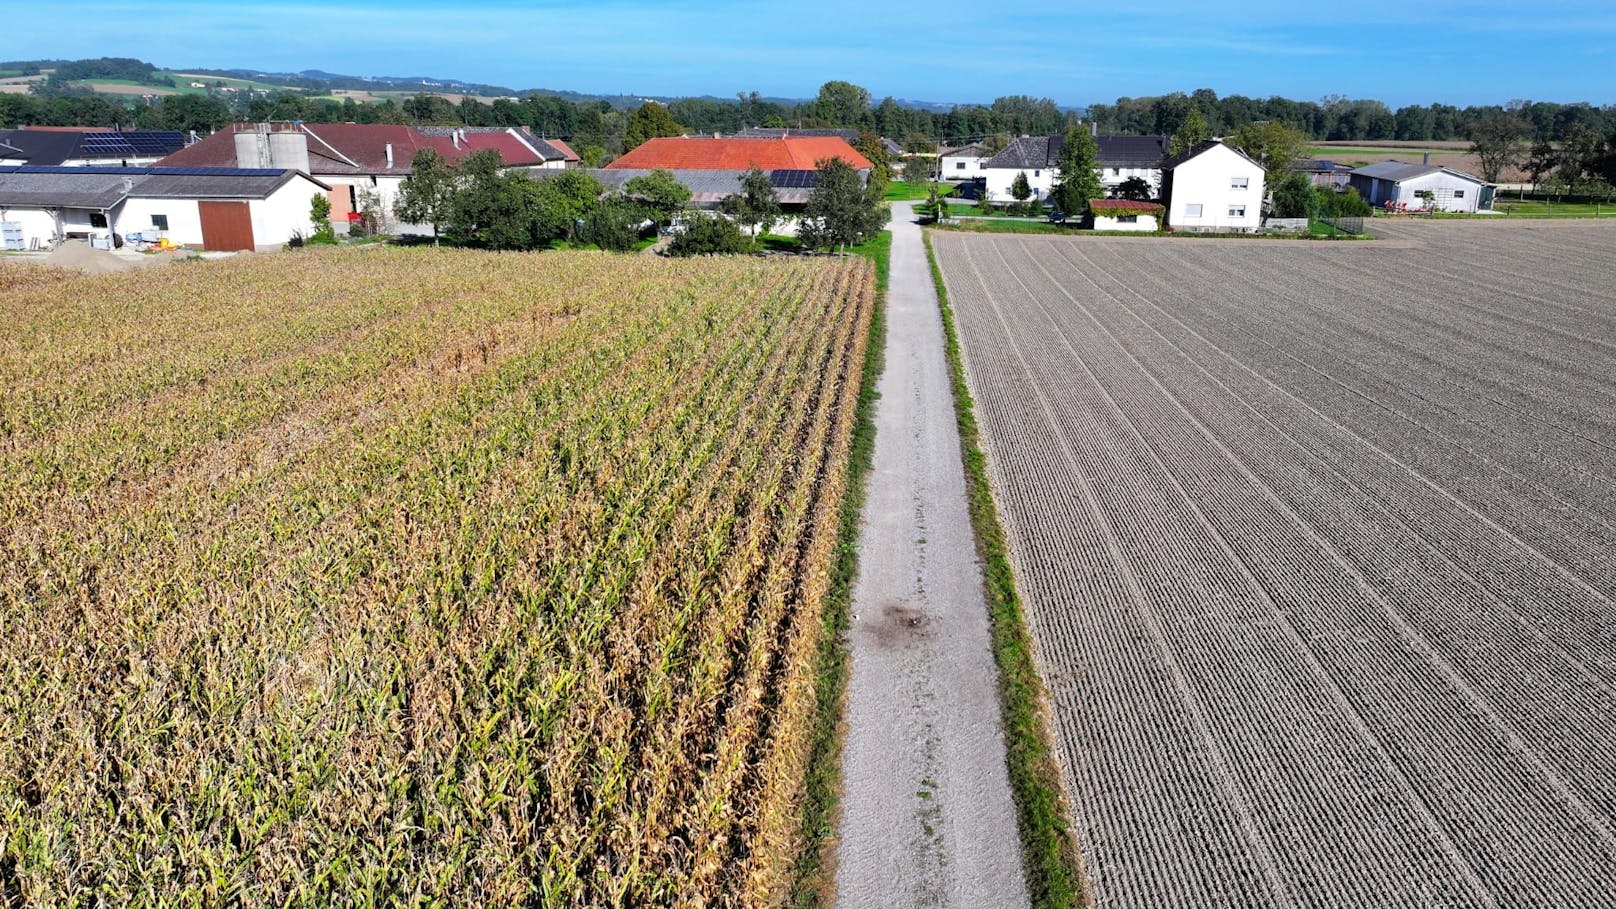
(1125,214)
(1397,186)
(212,208)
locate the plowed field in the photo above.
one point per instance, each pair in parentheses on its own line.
(1318,544)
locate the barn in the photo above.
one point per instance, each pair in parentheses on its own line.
(1399,186)
(208,208)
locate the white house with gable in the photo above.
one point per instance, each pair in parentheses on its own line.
(1214,188)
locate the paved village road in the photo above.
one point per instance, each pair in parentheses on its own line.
(927,816)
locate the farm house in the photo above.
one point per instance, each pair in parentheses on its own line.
(1213,187)
(210,208)
(356,159)
(1393,184)
(1120,158)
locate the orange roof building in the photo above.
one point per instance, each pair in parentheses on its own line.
(704,153)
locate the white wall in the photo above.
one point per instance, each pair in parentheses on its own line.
(1112,177)
(37,223)
(963,167)
(286,210)
(1042,180)
(184,219)
(1204,194)
(1452,193)
(1146,223)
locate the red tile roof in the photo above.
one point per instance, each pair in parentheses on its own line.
(334,148)
(1124,205)
(565,149)
(793,153)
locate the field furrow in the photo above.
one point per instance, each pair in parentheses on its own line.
(1322,623)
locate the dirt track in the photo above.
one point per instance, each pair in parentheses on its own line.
(1317,548)
(927,817)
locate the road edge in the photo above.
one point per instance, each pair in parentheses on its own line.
(813,877)
(1054,873)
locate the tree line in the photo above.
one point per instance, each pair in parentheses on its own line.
(1337,118)
(604,131)
(478,203)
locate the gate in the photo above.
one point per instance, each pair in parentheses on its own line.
(226,225)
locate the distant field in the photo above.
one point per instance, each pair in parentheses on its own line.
(1315,542)
(417,577)
(1443,154)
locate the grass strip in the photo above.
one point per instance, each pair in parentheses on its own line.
(822,788)
(1054,878)
(1029,226)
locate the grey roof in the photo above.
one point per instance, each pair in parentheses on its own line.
(1039,152)
(1320,166)
(73,188)
(214,186)
(975,149)
(1398,171)
(1132,151)
(100,188)
(1027,153)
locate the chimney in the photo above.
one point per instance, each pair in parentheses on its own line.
(128,185)
(455,137)
(1427,158)
(1094,128)
(389,156)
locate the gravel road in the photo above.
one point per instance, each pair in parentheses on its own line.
(927,816)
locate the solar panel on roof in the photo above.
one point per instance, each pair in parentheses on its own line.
(794,179)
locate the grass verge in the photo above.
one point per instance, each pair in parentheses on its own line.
(1006,226)
(1054,880)
(823,786)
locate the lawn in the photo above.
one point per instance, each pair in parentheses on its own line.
(413,576)
(904,191)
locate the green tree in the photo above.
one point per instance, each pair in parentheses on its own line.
(842,104)
(1497,142)
(870,146)
(427,196)
(1542,160)
(841,210)
(1191,131)
(650,121)
(1020,189)
(757,205)
(320,217)
(1134,188)
(1294,197)
(710,235)
(660,194)
(613,224)
(1077,172)
(561,201)
(491,209)
(1273,145)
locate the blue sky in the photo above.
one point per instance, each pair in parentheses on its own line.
(1074,51)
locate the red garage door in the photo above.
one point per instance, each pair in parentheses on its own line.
(226,225)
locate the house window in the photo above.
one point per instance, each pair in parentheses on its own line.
(1128,219)
(1115,171)
(1037,173)
(1458,194)
(1239,182)
(1237,211)
(98,219)
(159,222)
(1192,211)
(959,165)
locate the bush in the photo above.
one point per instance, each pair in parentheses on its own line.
(1294,198)
(710,235)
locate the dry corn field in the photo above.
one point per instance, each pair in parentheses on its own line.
(1318,544)
(408,577)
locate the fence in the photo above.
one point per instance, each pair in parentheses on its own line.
(1352,225)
